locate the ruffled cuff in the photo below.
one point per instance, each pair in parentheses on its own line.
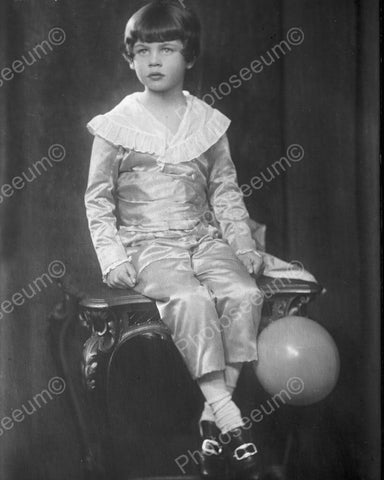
(110,254)
(248,250)
(113,266)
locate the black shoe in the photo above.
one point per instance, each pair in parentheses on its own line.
(212,460)
(242,453)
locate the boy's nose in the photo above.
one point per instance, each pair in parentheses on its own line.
(154,59)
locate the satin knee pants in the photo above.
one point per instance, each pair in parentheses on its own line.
(204,295)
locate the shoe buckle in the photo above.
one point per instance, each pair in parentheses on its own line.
(244,451)
(211,447)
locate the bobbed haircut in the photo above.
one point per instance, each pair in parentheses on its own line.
(162,21)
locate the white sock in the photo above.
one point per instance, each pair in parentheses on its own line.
(232,372)
(226,414)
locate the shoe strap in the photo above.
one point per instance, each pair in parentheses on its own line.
(244,451)
(211,447)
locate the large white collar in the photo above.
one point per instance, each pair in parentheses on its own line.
(132,126)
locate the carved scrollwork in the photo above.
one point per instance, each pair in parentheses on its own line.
(298,306)
(281,306)
(105,328)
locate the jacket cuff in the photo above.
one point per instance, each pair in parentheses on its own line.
(113,266)
(111,257)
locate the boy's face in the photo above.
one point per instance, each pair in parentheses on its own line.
(160,66)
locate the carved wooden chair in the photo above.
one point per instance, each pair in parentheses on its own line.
(111,319)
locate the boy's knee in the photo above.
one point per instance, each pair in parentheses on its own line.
(192,296)
(247,294)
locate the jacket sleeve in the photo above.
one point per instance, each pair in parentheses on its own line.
(226,198)
(100,204)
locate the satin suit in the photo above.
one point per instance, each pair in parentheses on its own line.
(171,205)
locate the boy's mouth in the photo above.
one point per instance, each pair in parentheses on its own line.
(155,76)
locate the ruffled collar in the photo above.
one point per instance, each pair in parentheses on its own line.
(132,126)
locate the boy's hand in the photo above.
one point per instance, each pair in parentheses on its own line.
(122,276)
(253,262)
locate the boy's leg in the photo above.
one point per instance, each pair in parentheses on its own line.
(238,301)
(185,305)
(188,308)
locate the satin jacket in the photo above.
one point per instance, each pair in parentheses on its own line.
(145,182)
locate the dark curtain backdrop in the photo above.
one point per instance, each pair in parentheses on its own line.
(323,211)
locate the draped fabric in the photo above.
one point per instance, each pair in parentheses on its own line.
(304,140)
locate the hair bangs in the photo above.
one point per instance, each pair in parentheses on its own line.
(158,28)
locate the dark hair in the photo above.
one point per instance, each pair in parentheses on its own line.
(161,21)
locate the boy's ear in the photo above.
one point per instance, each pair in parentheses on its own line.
(190,64)
(127,58)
